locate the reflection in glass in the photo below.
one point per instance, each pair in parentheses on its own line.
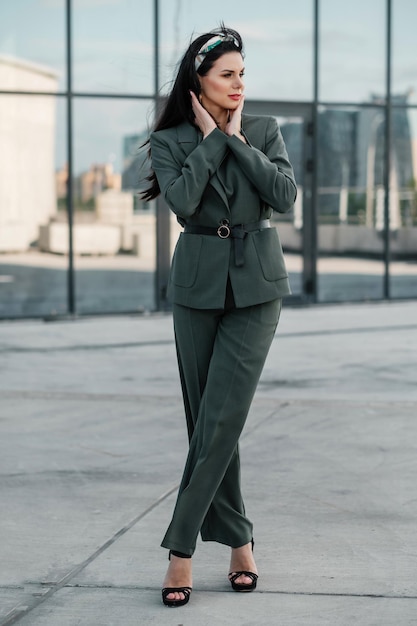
(351,203)
(403,204)
(32,45)
(113,46)
(32,280)
(404,49)
(352,50)
(278,39)
(114,231)
(290,224)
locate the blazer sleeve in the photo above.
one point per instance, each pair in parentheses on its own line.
(183,180)
(269,171)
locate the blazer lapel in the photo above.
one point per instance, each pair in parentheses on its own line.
(188,139)
(215,181)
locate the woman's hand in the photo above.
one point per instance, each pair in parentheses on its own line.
(235,121)
(203,118)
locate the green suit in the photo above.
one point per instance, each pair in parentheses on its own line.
(225,312)
(219,178)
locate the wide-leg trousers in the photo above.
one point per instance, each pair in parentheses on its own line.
(221,354)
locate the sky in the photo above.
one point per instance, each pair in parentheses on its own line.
(113,53)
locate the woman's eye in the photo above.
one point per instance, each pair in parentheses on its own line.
(229,75)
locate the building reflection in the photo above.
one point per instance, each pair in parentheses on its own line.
(114,230)
(27,153)
(351,176)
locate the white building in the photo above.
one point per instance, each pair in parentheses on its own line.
(27,148)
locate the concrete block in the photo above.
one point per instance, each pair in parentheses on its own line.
(94,239)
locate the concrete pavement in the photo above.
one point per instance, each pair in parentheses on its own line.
(92,442)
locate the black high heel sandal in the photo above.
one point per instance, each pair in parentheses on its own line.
(184,590)
(233,576)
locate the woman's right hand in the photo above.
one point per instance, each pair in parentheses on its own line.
(203,118)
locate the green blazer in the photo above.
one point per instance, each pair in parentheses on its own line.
(221,177)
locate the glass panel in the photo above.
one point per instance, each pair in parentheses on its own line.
(32,45)
(403,204)
(113,46)
(290,224)
(404,50)
(352,50)
(33,278)
(350,203)
(114,231)
(277,36)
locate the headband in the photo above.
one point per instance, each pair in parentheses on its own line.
(210,44)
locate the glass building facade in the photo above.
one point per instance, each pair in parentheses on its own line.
(80,81)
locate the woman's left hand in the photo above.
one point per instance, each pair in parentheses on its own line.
(234,124)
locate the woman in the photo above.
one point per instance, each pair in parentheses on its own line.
(222,173)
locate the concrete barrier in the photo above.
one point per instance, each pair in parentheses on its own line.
(351,238)
(94,239)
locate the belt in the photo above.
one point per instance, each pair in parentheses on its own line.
(224,231)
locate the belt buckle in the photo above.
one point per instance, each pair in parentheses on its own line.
(223,230)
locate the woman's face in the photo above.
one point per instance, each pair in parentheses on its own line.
(222,87)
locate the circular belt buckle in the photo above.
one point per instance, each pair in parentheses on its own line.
(223,230)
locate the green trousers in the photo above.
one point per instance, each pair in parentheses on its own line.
(221,354)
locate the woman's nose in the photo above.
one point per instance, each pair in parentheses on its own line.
(239,84)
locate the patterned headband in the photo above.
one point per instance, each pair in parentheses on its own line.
(210,44)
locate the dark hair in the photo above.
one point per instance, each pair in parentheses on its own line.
(177,107)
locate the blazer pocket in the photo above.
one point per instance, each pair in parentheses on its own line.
(270,255)
(185,260)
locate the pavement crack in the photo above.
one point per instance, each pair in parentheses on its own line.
(20,611)
(19,349)
(104,452)
(86,347)
(251,429)
(281,592)
(345,331)
(84,396)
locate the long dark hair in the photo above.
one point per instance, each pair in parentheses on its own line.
(177,108)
